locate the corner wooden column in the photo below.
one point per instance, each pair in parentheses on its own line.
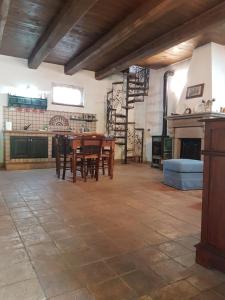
(210,252)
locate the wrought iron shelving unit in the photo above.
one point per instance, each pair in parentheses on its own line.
(120,101)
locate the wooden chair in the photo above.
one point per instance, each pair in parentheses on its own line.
(63,154)
(89,155)
(108,155)
(105,160)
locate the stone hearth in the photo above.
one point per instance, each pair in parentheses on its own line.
(188,126)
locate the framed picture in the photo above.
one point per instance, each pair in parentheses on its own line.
(195,91)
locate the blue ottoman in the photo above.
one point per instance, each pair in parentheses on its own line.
(183,174)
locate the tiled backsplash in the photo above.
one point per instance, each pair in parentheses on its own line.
(40,119)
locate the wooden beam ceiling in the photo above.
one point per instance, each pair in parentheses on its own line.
(62,23)
(4,11)
(148,13)
(107,36)
(182,33)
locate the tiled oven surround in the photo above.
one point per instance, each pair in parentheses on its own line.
(39,119)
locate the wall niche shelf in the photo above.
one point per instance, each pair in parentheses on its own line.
(82,120)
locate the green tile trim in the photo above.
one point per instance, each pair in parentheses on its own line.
(25,102)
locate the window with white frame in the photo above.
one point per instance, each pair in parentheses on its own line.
(67,95)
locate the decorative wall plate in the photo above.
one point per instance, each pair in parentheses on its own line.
(59,121)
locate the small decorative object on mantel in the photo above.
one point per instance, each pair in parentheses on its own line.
(187,111)
(195,91)
(222,109)
(208,105)
(205,106)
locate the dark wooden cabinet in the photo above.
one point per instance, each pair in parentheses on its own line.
(28,147)
(39,147)
(19,147)
(211,250)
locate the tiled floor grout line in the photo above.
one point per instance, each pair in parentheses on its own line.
(130,214)
(150,206)
(27,255)
(30,260)
(114,277)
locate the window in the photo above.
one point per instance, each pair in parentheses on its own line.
(67,95)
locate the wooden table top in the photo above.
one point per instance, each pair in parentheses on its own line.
(84,134)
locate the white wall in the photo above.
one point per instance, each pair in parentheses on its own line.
(14,73)
(200,71)
(150,113)
(218,76)
(207,66)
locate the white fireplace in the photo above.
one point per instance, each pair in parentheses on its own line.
(189,126)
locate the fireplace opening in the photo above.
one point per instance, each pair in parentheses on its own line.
(190,148)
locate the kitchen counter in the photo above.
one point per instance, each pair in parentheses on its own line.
(28,149)
(28,132)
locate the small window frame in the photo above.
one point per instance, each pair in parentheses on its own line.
(68,86)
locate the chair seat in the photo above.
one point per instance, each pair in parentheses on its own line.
(87,149)
(87,156)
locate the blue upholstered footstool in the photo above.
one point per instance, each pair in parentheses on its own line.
(183,174)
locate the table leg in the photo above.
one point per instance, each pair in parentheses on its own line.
(74,166)
(111,159)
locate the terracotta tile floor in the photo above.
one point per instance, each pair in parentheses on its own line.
(130,238)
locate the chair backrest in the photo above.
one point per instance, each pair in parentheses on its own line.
(62,144)
(91,144)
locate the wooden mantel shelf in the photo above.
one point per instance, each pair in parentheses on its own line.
(203,115)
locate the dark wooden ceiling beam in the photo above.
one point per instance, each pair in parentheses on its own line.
(61,24)
(4,11)
(180,34)
(148,13)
